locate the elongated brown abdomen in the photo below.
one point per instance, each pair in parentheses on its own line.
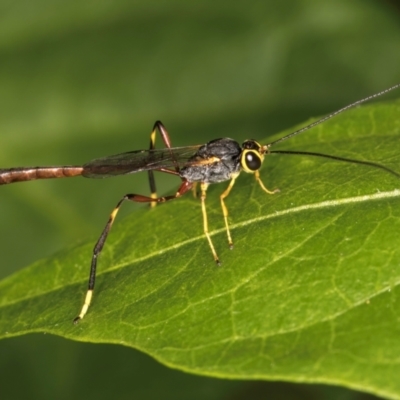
(22,174)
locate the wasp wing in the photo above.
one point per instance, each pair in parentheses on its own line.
(140,160)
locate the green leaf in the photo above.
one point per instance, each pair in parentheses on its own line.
(80,81)
(308,294)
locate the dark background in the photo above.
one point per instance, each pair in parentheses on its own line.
(80,80)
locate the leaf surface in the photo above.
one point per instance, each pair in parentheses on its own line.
(308,294)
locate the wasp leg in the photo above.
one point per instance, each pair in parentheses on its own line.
(194,190)
(203,188)
(225,210)
(167,142)
(258,179)
(185,186)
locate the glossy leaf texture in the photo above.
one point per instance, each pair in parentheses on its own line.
(308,294)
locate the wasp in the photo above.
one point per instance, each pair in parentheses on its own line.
(217,161)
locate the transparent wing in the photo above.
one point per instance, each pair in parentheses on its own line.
(140,160)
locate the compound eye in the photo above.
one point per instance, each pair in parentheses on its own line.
(252,160)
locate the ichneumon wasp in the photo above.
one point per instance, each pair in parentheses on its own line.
(216,161)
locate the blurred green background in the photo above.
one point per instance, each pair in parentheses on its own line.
(80,80)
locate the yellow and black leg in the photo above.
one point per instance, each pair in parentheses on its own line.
(225,194)
(167,142)
(185,186)
(258,179)
(203,189)
(225,210)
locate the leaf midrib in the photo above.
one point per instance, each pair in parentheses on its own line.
(293,210)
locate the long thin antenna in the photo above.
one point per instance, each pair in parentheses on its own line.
(320,121)
(350,160)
